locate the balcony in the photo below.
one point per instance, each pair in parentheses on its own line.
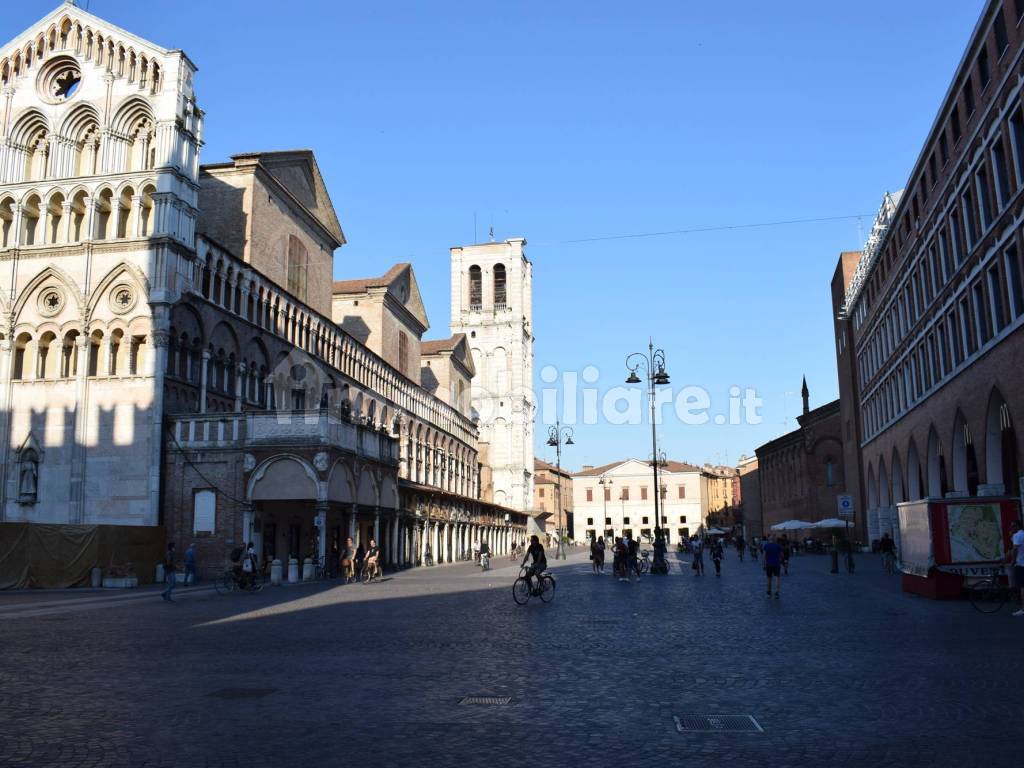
(283,429)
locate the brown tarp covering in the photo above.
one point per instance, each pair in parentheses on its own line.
(54,556)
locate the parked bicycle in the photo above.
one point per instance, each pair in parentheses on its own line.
(543,587)
(237,580)
(989,593)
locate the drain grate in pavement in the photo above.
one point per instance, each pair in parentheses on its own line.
(485,701)
(241,693)
(717,724)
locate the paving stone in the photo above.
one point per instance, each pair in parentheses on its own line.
(841,670)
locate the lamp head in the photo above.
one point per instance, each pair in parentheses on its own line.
(633,378)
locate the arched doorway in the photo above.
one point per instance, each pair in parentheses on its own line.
(938,485)
(915,484)
(965,461)
(283,492)
(1001,471)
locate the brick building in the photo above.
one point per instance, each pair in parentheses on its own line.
(928,330)
(800,474)
(546,481)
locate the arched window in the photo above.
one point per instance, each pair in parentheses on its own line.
(830,479)
(476,288)
(500,292)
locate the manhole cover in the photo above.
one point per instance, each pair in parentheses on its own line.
(241,693)
(717,723)
(486,701)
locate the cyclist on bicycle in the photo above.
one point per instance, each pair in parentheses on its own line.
(540,561)
(372,562)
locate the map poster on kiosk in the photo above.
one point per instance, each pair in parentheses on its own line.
(963,536)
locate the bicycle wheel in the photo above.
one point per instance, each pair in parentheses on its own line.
(225,583)
(547,589)
(987,597)
(521,591)
(643,566)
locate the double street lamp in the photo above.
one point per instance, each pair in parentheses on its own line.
(652,363)
(557,437)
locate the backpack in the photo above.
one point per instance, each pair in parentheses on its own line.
(236,554)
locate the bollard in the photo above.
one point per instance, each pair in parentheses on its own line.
(159,577)
(96,577)
(307,569)
(293,570)
(275,573)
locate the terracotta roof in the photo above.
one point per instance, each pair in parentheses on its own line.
(435,346)
(669,466)
(540,464)
(361,285)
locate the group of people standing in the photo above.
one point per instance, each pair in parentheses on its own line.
(625,556)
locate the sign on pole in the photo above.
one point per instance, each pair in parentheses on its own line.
(845,503)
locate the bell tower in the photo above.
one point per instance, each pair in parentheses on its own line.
(492,303)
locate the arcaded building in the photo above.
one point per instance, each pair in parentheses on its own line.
(928,335)
(175,357)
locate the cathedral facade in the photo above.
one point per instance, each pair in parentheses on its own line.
(174,353)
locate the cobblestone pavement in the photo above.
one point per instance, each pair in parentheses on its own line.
(841,671)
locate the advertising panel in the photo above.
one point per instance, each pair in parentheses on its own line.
(915,538)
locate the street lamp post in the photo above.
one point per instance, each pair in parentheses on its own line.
(653,365)
(557,437)
(606,491)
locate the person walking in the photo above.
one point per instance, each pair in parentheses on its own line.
(1016,557)
(888,549)
(595,556)
(190,565)
(772,564)
(784,544)
(619,559)
(632,548)
(697,549)
(740,546)
(755,546)
(717,553)
(600,551)
(170,573)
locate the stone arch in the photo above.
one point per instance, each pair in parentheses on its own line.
(872,488)
(898,492)
(282,478)
(49,273)
(341,486)
(126,272)
(367,493)
(915,485)
(936,468)
(965,461)
(1001,469)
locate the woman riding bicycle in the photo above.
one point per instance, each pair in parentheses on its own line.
(540,561)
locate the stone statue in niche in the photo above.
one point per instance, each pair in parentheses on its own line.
(28,477)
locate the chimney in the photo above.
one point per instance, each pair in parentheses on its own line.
(587,467)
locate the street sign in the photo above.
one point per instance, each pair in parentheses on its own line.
(845,503)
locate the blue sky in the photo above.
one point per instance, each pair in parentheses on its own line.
(570,120)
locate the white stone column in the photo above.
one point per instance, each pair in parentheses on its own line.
(240,371)
(202,380)
(376,526)
(353,513)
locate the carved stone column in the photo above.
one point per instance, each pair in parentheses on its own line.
(202,380)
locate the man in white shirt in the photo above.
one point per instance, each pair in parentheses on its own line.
(1017,558)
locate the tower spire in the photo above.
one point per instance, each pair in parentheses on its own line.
(806,395)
